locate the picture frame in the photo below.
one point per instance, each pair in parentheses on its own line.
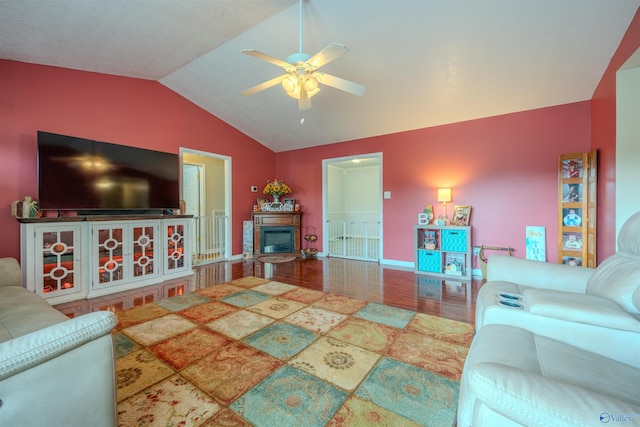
(261,203)
(290,202)
(571,193)
(573,261)
(572,217)
(461,215)
(571,241)
(572,168)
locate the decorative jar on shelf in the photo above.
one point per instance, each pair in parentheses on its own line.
(440,221)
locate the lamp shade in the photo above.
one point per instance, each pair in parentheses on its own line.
(444,195)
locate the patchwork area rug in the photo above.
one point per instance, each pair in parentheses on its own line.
(264,353)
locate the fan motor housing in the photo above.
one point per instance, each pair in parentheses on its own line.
(295,58)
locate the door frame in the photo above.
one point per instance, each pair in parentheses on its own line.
(325,198)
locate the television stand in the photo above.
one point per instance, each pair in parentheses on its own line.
(67,259)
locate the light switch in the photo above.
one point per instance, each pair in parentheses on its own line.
(387,194)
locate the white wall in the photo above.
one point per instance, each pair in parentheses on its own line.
(363,187)
(627,140)
(335,193)
(354,194)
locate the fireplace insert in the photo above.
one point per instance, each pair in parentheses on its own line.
(276,240)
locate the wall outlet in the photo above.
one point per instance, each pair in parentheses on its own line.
(476,250)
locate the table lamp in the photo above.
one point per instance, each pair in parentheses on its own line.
(444,196)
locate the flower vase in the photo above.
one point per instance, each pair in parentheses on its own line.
(276,198)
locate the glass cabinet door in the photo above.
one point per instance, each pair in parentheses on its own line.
(176,250)
(58,268)
(144,238)
(175,245)
(109,245)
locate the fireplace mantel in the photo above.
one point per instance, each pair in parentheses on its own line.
(276,219)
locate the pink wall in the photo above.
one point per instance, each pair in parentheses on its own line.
(505,167)
(121,110)
(603,130)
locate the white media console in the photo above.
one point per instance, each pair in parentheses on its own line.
(66,259)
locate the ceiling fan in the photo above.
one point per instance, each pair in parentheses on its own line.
(301,78)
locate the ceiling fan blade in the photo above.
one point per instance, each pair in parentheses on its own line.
(265,57)
(304,103)
(342,84)
(328,54)
(263,86)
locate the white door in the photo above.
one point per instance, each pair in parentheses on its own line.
(192,189)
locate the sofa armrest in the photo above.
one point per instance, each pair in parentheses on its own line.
(586,309)
(531,399)
(10,274)
(538,274)
(21,353)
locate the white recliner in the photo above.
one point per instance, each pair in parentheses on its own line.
(54,371)
(512,377)
(556,345)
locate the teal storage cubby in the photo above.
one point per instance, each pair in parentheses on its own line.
(430,261)
(438,245)
(454,240)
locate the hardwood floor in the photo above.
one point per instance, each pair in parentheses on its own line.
(398,287)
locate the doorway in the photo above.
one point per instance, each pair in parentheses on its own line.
(352,207)
(206,193)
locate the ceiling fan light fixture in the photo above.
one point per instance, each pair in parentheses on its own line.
(310,83)
(290,84)
(300,80)
(310,93)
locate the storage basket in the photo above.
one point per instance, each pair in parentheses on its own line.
(310,237)
(309,253)
(484,259)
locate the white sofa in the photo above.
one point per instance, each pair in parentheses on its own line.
(54,371)
(512,377)
(556,345)
(594,309)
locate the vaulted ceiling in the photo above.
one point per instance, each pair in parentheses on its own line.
(424,62)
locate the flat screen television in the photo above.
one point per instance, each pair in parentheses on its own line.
(99,177)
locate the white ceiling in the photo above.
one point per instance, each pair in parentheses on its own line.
(424,62)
